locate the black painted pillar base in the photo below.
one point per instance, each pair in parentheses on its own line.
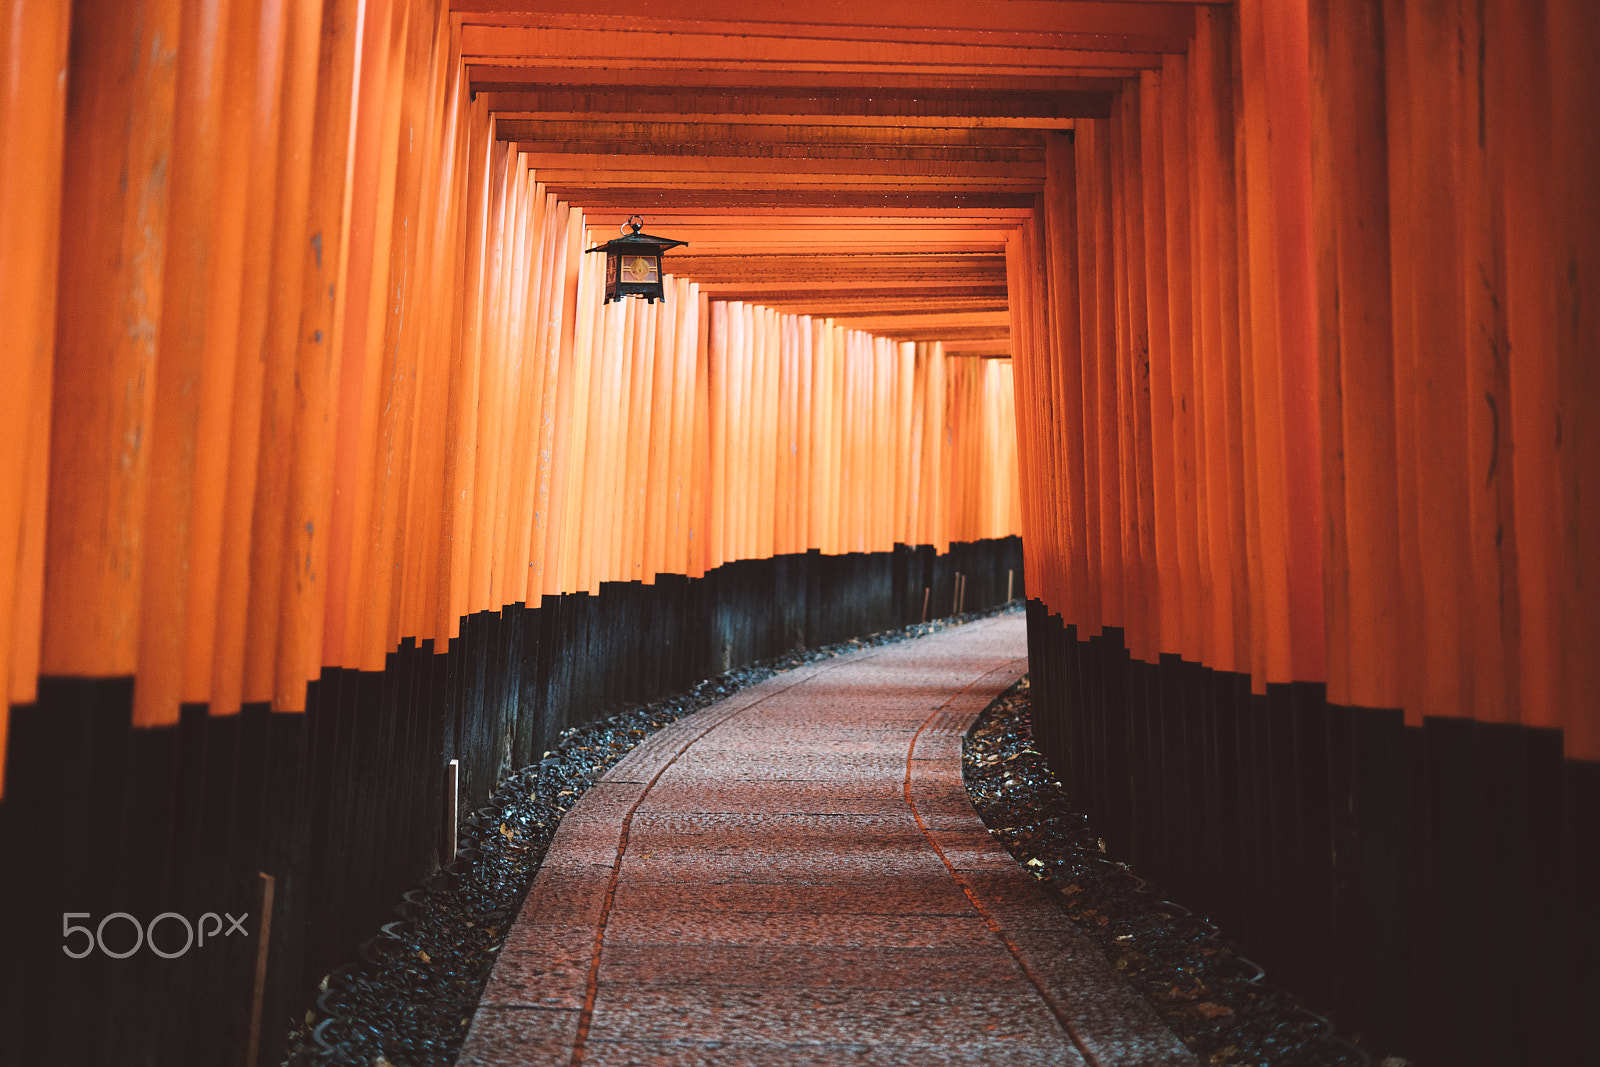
(1433,887)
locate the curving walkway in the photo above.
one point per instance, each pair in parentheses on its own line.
(795,877)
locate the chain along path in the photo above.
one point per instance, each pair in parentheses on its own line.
(796,877)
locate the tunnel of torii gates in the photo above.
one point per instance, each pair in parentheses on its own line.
(1269,328)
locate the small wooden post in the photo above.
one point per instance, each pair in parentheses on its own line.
(452,807)
(264,944)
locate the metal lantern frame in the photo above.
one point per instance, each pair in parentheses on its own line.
(633,263)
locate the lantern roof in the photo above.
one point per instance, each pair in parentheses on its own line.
(644,242)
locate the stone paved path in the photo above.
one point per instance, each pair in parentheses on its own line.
(795,877)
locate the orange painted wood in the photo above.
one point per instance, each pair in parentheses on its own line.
(492,379)
(1403,252)
(1574,31)
(235,86)
(526,356)
(574,500)
(677,517)
(27,618)
(1046,340)
(735,366)
(1117,417)
(316,366)
(1235,526)
(372,205)
(1107,451)
(750,413)
(934,428)
(1028,358)
(880,478)
(1355,351)
(545,340)
(1176,188)
(438,251)
(1203,319)
(614,474)
(763,439)
(819,531)
(850,466)
(598,451)
(412,387)
(830,390)
(394,551)
(114,203)
(683,472)
(717,419)
(1144,597)
(868,467)
(33,48)
(618,565)
(1491,519)
(589,428)
(699,504)
(739,470)
(493,215)
(261,196)
(1288,79)
(553,44)
(915,494)
(1169,583)
(1088,147)
(461,429)
(1266,529)
(557,503)
(1002,418)
(290,249)
(846,428)
(1521,89)
(787,351)
(807,477)
(657,473)
(192,385)
(1429,304)
(795,398)
(33,101)
(1216,351)
(901,440)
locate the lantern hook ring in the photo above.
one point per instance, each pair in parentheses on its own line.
(635,223)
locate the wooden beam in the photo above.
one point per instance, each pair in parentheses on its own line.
(740,156)
(597,85)
(667,134)
(927,318)
(1170,20)
(667,33)
(645,44)
(794,141)
(839,307)
(921,203)
(829,269)
(890,123)
(836,295)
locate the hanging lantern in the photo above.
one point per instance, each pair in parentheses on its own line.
(633,263)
